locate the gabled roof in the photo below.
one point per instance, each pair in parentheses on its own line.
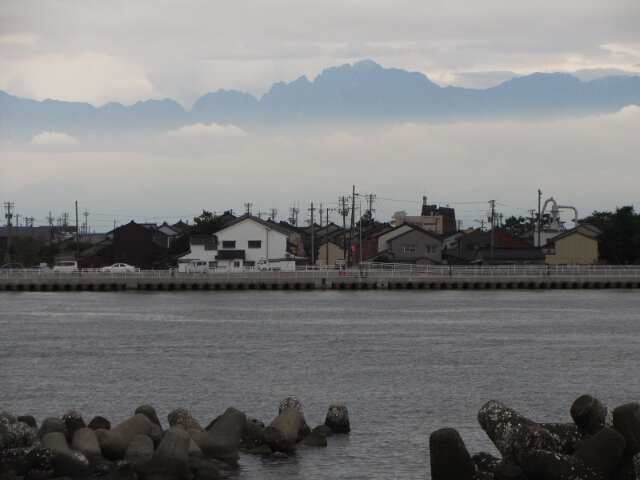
(585,230)
(268,224)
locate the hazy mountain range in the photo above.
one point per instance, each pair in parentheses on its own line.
(364,91)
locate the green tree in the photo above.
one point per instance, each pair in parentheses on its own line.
(32,251)
(368,221)
(516,226)
(206,224)
(619,242)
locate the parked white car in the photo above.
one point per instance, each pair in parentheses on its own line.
(66,266)
(119,268)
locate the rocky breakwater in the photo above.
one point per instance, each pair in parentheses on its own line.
(599,444)
(139,448)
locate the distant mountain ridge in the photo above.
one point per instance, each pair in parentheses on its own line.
(364,91)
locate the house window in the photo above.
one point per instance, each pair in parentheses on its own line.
(409,248)
(255,243)
(430,249)
(228,244)
(236,263)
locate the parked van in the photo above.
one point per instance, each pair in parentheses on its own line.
(66,266)
(198,266)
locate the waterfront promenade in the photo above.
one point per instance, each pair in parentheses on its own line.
(370,277)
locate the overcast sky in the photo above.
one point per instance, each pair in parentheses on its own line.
(129,50)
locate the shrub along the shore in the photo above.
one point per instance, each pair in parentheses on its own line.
(139,448)
(600,444)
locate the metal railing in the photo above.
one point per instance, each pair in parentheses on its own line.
(368,269)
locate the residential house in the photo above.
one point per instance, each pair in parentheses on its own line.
(248,239)
(410,244)
(477,246)
(202,248)
(578,246)
(139,244)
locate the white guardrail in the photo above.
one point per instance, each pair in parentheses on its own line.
(373,269)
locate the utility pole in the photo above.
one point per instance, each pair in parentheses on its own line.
(313,245)
(274,212)
(493,213)
(327,235)
(248,206)
(370,198)
(293,216)
(77,233)
(50,219)
(86,222)
(17,219)
(8,206)
(344,211)
(539,219)
(353,223)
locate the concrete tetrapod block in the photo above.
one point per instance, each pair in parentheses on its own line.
(139,452)
(180,416)
(17,438)
(29,420)
(150,412)
(56,442)
(511,433)
(541,464)
(603,451)
(72,422)
(449,457)
(51,424)
(567,435)
(139,424)
(590,414)
(86,442)
(626,420)
(337,419)
(290,401)
(251,433)
(281,434)
(99,422)
(225,434)
(170,461)
(112,443)
(71,464)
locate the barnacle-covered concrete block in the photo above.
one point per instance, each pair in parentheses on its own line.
(511,433)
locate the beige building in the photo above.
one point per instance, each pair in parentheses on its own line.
(330,253)
(578,246)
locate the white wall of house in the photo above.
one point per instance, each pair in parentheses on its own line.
(198,252)
(257,240)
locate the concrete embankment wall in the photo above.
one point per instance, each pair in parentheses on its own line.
(293,282)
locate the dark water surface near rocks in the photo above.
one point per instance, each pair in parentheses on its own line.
(404,363)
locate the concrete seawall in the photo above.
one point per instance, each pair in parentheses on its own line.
(296,281)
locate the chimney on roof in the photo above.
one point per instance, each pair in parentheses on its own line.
(424,200)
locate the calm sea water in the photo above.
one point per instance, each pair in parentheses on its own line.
(404,363)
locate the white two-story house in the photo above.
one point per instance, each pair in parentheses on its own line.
(247,240)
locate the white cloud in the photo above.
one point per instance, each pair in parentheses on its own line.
(200,130)
(53,139)
(100,51)
(590,163)
(94,77)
